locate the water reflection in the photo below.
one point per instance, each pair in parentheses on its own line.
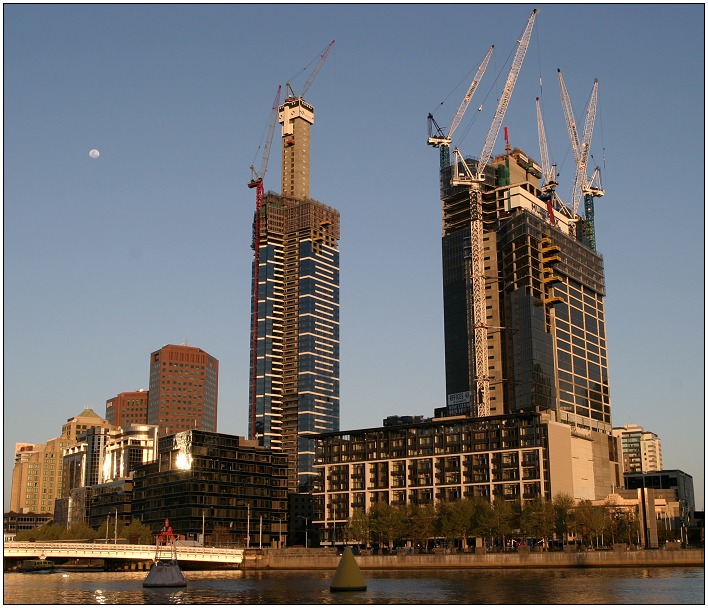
(508,586)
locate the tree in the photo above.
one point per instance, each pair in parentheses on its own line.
(589,520)
(538,518)
(563,505)
(48,532)
(387,523)
(358,528)
(456,519)
(422,523)
(138,534)
(502,519)
(80,531)
(482,521)
(220,536)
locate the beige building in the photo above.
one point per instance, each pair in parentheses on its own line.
(37,477)
(641,450)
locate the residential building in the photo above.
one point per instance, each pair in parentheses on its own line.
(294,388)
(183,392)
(38,473)
(641,450)
(83,464)
(223,486)
(511,457)
(20,522)
(128,408)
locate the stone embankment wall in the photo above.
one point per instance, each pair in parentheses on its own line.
(323,559)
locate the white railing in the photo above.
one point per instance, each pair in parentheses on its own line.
(115,551)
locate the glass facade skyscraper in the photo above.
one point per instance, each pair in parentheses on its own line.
(295,388)
(544,301)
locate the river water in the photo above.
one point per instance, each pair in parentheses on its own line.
(508,586)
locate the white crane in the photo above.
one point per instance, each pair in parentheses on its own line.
(440,139)
(464,175)
(581,152)
(548,189)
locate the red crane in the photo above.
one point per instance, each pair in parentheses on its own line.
(257,183)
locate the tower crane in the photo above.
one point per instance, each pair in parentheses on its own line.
(464,175)
(257,183)
(548,189)
(442,141)
(315,70)
(581,152)
(296,116)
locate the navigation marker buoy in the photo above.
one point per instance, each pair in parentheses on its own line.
(348,577)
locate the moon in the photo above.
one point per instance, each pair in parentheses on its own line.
(94,153)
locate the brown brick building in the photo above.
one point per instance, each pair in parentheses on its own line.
(128,408)
(183,390)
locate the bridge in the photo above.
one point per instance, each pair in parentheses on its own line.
(140,553)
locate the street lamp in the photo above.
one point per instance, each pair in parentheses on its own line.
(248,523)
(280,531)
(248,526)
(307,521)
(115,530)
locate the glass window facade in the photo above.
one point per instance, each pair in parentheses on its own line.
(295,387)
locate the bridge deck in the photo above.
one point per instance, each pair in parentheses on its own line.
(29,550)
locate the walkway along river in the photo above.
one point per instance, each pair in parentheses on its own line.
(319,559)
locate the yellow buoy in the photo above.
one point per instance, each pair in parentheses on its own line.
(348,577)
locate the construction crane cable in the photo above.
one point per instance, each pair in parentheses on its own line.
(490,90)
(465,79)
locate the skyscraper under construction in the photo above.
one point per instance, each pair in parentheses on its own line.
(294,392)
(544,296)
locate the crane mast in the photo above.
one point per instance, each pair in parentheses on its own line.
(257,183)
(464,175)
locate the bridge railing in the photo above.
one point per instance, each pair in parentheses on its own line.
(120,551)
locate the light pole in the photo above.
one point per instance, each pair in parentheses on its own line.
(115,530)
(307,521)
(248,526)
(202,528)
(108,521)
(280,531)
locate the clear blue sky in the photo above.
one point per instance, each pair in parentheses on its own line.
(108,259)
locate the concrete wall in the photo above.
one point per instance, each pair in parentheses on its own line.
(315,559)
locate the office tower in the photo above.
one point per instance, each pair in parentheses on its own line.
(544,301)
(38,474)
(641,450)
(183,391)
(128,408)
(294,390)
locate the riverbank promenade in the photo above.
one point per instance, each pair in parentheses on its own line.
(327,559)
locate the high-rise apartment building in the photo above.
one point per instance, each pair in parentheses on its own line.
(38,474)
(294,390)
(183,391)
(641,450)
(544,302)
(128,408)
